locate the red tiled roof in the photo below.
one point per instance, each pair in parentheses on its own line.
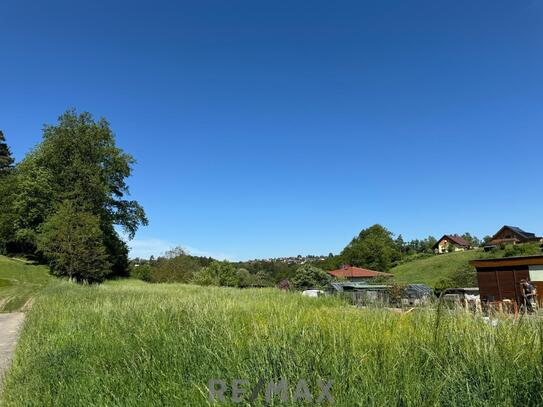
(455,239)
(350,271)
(459,240)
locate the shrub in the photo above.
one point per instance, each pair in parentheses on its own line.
(526,249)
(308,277)
(142,272)
(222,273)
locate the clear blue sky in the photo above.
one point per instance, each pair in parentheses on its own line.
(271,128)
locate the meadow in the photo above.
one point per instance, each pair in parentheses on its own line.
(431,269)
(20,281)
(129,343)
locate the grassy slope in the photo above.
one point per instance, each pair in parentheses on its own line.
(133,344)
(432,269)
(19,282)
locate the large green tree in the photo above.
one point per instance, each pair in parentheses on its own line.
(7,191)
(373,248)
(177,266)
(74,242)
(78,161)
(6,159)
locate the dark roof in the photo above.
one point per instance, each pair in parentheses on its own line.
(536,260)
(350,271)
(521,232)
(460,241)
(347,286)
(517,230)
(420,289)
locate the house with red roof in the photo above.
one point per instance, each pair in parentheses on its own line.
(355,274)
(450,243)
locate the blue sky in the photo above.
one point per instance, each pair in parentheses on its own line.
(266,129)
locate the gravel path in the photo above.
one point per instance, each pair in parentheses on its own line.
(10,325)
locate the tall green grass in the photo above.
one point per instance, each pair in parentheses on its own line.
(134,344)
(20,281)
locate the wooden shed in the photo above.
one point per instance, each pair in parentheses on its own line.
(499,279)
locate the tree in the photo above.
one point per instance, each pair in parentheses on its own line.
(78,161)
(310,277)
(245,279)
(221,273)
(473,240)
(400,244)
(465,276)
(6,159)
(205,277)
(177,266)
(32,203)
(486,240)
(7,191)
(374,248)
(72,241)
(262,279)
(429,243)
(7,215)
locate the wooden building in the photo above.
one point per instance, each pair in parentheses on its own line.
(513,235)
(499,279)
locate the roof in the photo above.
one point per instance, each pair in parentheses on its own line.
(350,271)
(508,261)
(460,241)
(347,286)
(420,289)
(373,287)
(517,230)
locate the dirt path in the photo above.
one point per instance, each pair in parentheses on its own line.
(10,325)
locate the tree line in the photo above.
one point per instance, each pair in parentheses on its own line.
(62,204)
(374,248)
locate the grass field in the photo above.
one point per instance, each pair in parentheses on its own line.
(134,344)
(432,269)
(19,283)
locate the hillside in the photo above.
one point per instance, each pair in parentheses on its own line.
(19,282)
(432,269)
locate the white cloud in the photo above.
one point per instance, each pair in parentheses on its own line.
(145,248)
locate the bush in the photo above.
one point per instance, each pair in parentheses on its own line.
(142,272)
(526,249)
(464,277)
(221,273)
(310,277)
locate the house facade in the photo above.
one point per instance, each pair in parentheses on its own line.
(513,235)
(451,243)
